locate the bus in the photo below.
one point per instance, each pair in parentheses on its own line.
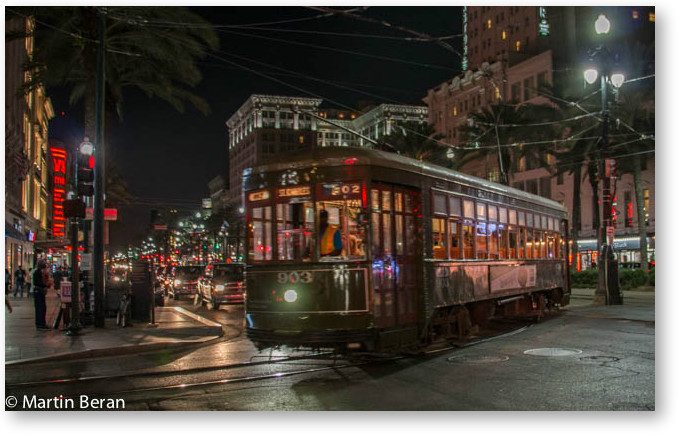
(360,249)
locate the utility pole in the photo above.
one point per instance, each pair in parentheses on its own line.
(608,290)
(99,177)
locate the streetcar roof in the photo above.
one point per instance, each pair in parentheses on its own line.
(339,156)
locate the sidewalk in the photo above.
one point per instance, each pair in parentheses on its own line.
(23,343)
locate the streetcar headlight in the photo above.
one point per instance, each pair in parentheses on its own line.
(178,282)
(290,295)
(219,287)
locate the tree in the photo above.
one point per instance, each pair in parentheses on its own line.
(504,132)
(417,141)
(154,49)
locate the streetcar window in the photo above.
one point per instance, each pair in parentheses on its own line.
(468,239)
(439,204)
(481,240)
(504,241)
(493,213)
(260,231)
(454,238)
(513,217)
(438,238)
(468,209)
(512,242)
(481,211)
(398,202)
(454,206)
(521,221)
(503,215)
(341,234)
(387,201)
(550,243)
(522,243)
(537,244)
(294,230)
(529,221)
(494,235)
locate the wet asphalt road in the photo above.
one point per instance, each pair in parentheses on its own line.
(586,358)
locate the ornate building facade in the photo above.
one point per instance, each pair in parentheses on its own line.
(27,199)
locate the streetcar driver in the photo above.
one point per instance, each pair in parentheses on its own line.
(329,236)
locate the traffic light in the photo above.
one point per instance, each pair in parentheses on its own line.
(85,175)
(85,165)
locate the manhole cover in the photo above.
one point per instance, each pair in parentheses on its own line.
(479,358)
(599,359)
(553,352)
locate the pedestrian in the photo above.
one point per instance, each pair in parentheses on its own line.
(42,281)
(8,280)
(19,281)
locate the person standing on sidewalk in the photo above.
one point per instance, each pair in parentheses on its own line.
(19,281)
(41,283)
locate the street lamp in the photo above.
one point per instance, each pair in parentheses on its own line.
(608,291)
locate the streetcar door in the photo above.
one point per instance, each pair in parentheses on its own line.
(394,254)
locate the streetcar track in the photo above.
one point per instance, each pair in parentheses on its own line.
(166,373)
(247,379)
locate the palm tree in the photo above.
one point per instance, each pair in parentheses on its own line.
(502,131)
(154,49)
(418,141)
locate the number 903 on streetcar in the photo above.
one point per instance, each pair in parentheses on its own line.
(362,249)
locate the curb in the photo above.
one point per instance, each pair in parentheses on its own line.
(106,352)
(212,329)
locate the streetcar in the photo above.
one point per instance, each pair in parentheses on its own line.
(360,249)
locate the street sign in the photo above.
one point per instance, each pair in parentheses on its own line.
(86,261)
(65,291)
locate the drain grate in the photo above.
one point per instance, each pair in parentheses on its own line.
(479,358)
(599,359)
(553,352)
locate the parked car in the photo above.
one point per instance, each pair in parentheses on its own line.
(184,280)
(222,283)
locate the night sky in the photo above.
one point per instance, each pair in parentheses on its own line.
(168,158)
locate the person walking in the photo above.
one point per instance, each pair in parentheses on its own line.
(8,282)
(42,281)
(19,281)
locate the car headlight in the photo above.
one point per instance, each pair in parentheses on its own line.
(178,282)
(290,295)
(219,287)
(116,279)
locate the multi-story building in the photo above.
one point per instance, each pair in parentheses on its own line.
(509,54)
(27,115)
(266,126)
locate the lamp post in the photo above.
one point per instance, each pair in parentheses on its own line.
(608,291)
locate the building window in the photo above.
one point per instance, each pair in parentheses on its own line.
(518,45)
(504,35)
(636,15)
(488,23)
(515,91)
(651,17)
(528,88)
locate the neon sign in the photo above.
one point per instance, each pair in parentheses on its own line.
(58,191)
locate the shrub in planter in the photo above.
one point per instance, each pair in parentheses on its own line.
(632,278)
(584,279)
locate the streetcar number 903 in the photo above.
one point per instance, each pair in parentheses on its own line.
(295,277)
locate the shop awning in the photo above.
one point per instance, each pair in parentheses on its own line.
(11,232)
